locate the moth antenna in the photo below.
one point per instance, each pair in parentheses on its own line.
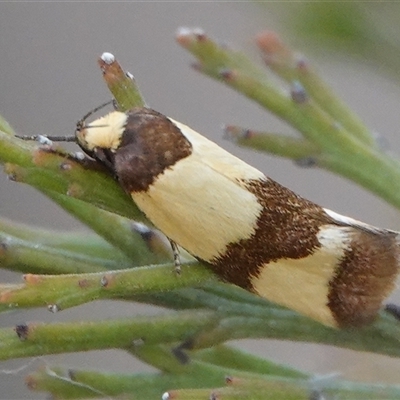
(95,126)
(44,139)
(81,123)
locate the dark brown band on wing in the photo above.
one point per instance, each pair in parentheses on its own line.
(364,278)
(287,227)
(150,144)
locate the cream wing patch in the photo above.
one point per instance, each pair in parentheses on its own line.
(303,284)
(199,207)
(218,159)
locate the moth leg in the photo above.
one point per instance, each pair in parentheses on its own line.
(177,257)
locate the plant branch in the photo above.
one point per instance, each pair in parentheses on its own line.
(236,319)
(121,84)
(345,145)
(51,169)
(202,382)
(38,339)
(292,67)
(277,144)
(80,242)
(73,289)
(22,255)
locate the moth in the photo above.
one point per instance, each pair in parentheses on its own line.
(250,230)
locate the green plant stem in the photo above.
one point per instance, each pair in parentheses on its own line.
(21,255)
(85,243)
(79,384)
(229,357)
(277,144)
(73,289)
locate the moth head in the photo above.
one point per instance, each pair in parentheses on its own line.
(136,146)
(104,133)
(99,139)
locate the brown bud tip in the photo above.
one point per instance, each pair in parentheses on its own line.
(12,177)
(32,279)
(105,281)
(317,395)
(227,74)
(180,355)
(138,342)
(6,296)
(232,132)
(298,93)
(302,63)
(306,162)
(111,69)
(3,249)
(83,283)
(197,66)
(31,382)
(170,395)
(13,172)
(269,42)
(214,396)
(22,331)
(187,36)
(75,190)
(65,166)
(71,374)
(53,308)
(230,380)
(40,157)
